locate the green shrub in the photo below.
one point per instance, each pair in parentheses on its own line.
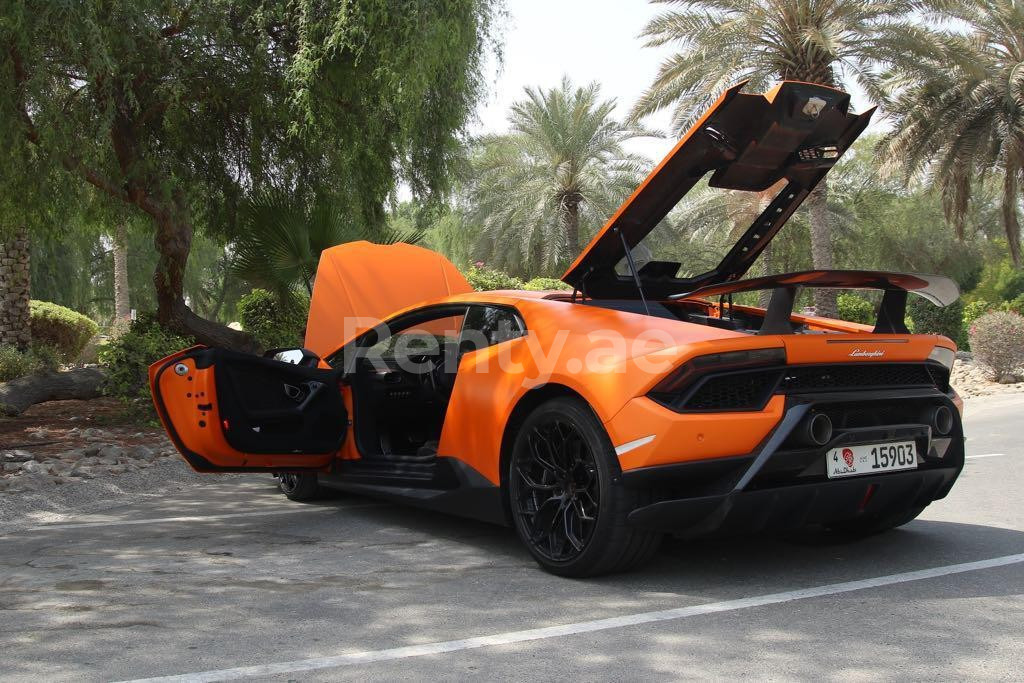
(487,279)
(972,311)
(931,319)
(543,284)
(15,363)
(127,360)
(273,324)
(855,309)
(1015,306)
(997,340)
(1000,281)
(65,330)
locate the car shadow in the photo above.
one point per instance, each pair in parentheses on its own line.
(808,557)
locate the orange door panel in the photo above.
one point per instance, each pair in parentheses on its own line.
(233,412)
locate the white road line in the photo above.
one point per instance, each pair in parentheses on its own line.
(513,637)
(985,455)
(195,518)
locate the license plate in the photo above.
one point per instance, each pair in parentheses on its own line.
(850,461)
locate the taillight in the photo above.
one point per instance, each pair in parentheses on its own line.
(717,362)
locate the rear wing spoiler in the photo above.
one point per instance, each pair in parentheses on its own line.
(938,289)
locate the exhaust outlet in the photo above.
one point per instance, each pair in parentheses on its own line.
(816,430)
(940,419)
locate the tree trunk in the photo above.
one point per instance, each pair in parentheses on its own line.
(18,394)
(572,228)
(821,247)
(1009,207)
(173,240)
(122,304)
(15,285)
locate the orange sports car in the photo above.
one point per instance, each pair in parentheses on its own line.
(647,400)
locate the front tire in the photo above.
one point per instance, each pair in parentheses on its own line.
(567,504)
(299,486)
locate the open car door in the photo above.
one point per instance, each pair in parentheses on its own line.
(233,412)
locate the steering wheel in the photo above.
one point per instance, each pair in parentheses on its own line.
(438,376)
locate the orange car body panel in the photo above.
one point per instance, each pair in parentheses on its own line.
(359,284)
(187,406)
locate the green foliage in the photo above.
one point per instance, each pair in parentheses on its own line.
(127,360)
(931,319)
(972,311)
(724,42)
(1000,281)
(65,330)
(855,309)
(15,363)
(956,109)
(487,279)
(454,236)
(273,323)
(538,192)
(997,340)
(541,284)
(1015,306)
(283,236)
(880,224)
(176,110)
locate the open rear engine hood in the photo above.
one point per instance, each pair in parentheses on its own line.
(796,132)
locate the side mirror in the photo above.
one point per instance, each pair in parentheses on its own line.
(303,357)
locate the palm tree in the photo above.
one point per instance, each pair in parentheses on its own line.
(14,288)
(960,117)
(282,237)
(560,172)
(724,42)
(119,247)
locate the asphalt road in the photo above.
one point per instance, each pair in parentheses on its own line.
(233,581)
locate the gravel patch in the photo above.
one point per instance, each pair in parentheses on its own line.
(38,499)
(970,378)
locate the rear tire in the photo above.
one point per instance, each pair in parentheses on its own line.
(299,486)
(568,507)
(869,526)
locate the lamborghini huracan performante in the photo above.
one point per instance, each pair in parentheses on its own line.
(652,399)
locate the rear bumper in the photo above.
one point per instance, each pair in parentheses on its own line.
(797,506)
(780,485)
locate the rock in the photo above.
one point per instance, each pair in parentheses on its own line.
(140,452)
(33,466)
(31,481)
(111,452)
(15,456)
(94,434)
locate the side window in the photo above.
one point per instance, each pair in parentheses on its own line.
(428,337)
(488,325)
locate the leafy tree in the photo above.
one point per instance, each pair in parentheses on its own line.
(176,108)
(959,114)
(282,237)
(561,172)
(724,42)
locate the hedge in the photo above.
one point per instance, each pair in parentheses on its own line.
(61,328)
(273,324)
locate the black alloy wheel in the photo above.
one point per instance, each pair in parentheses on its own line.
(299,486)
(557,490)
(567,503)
